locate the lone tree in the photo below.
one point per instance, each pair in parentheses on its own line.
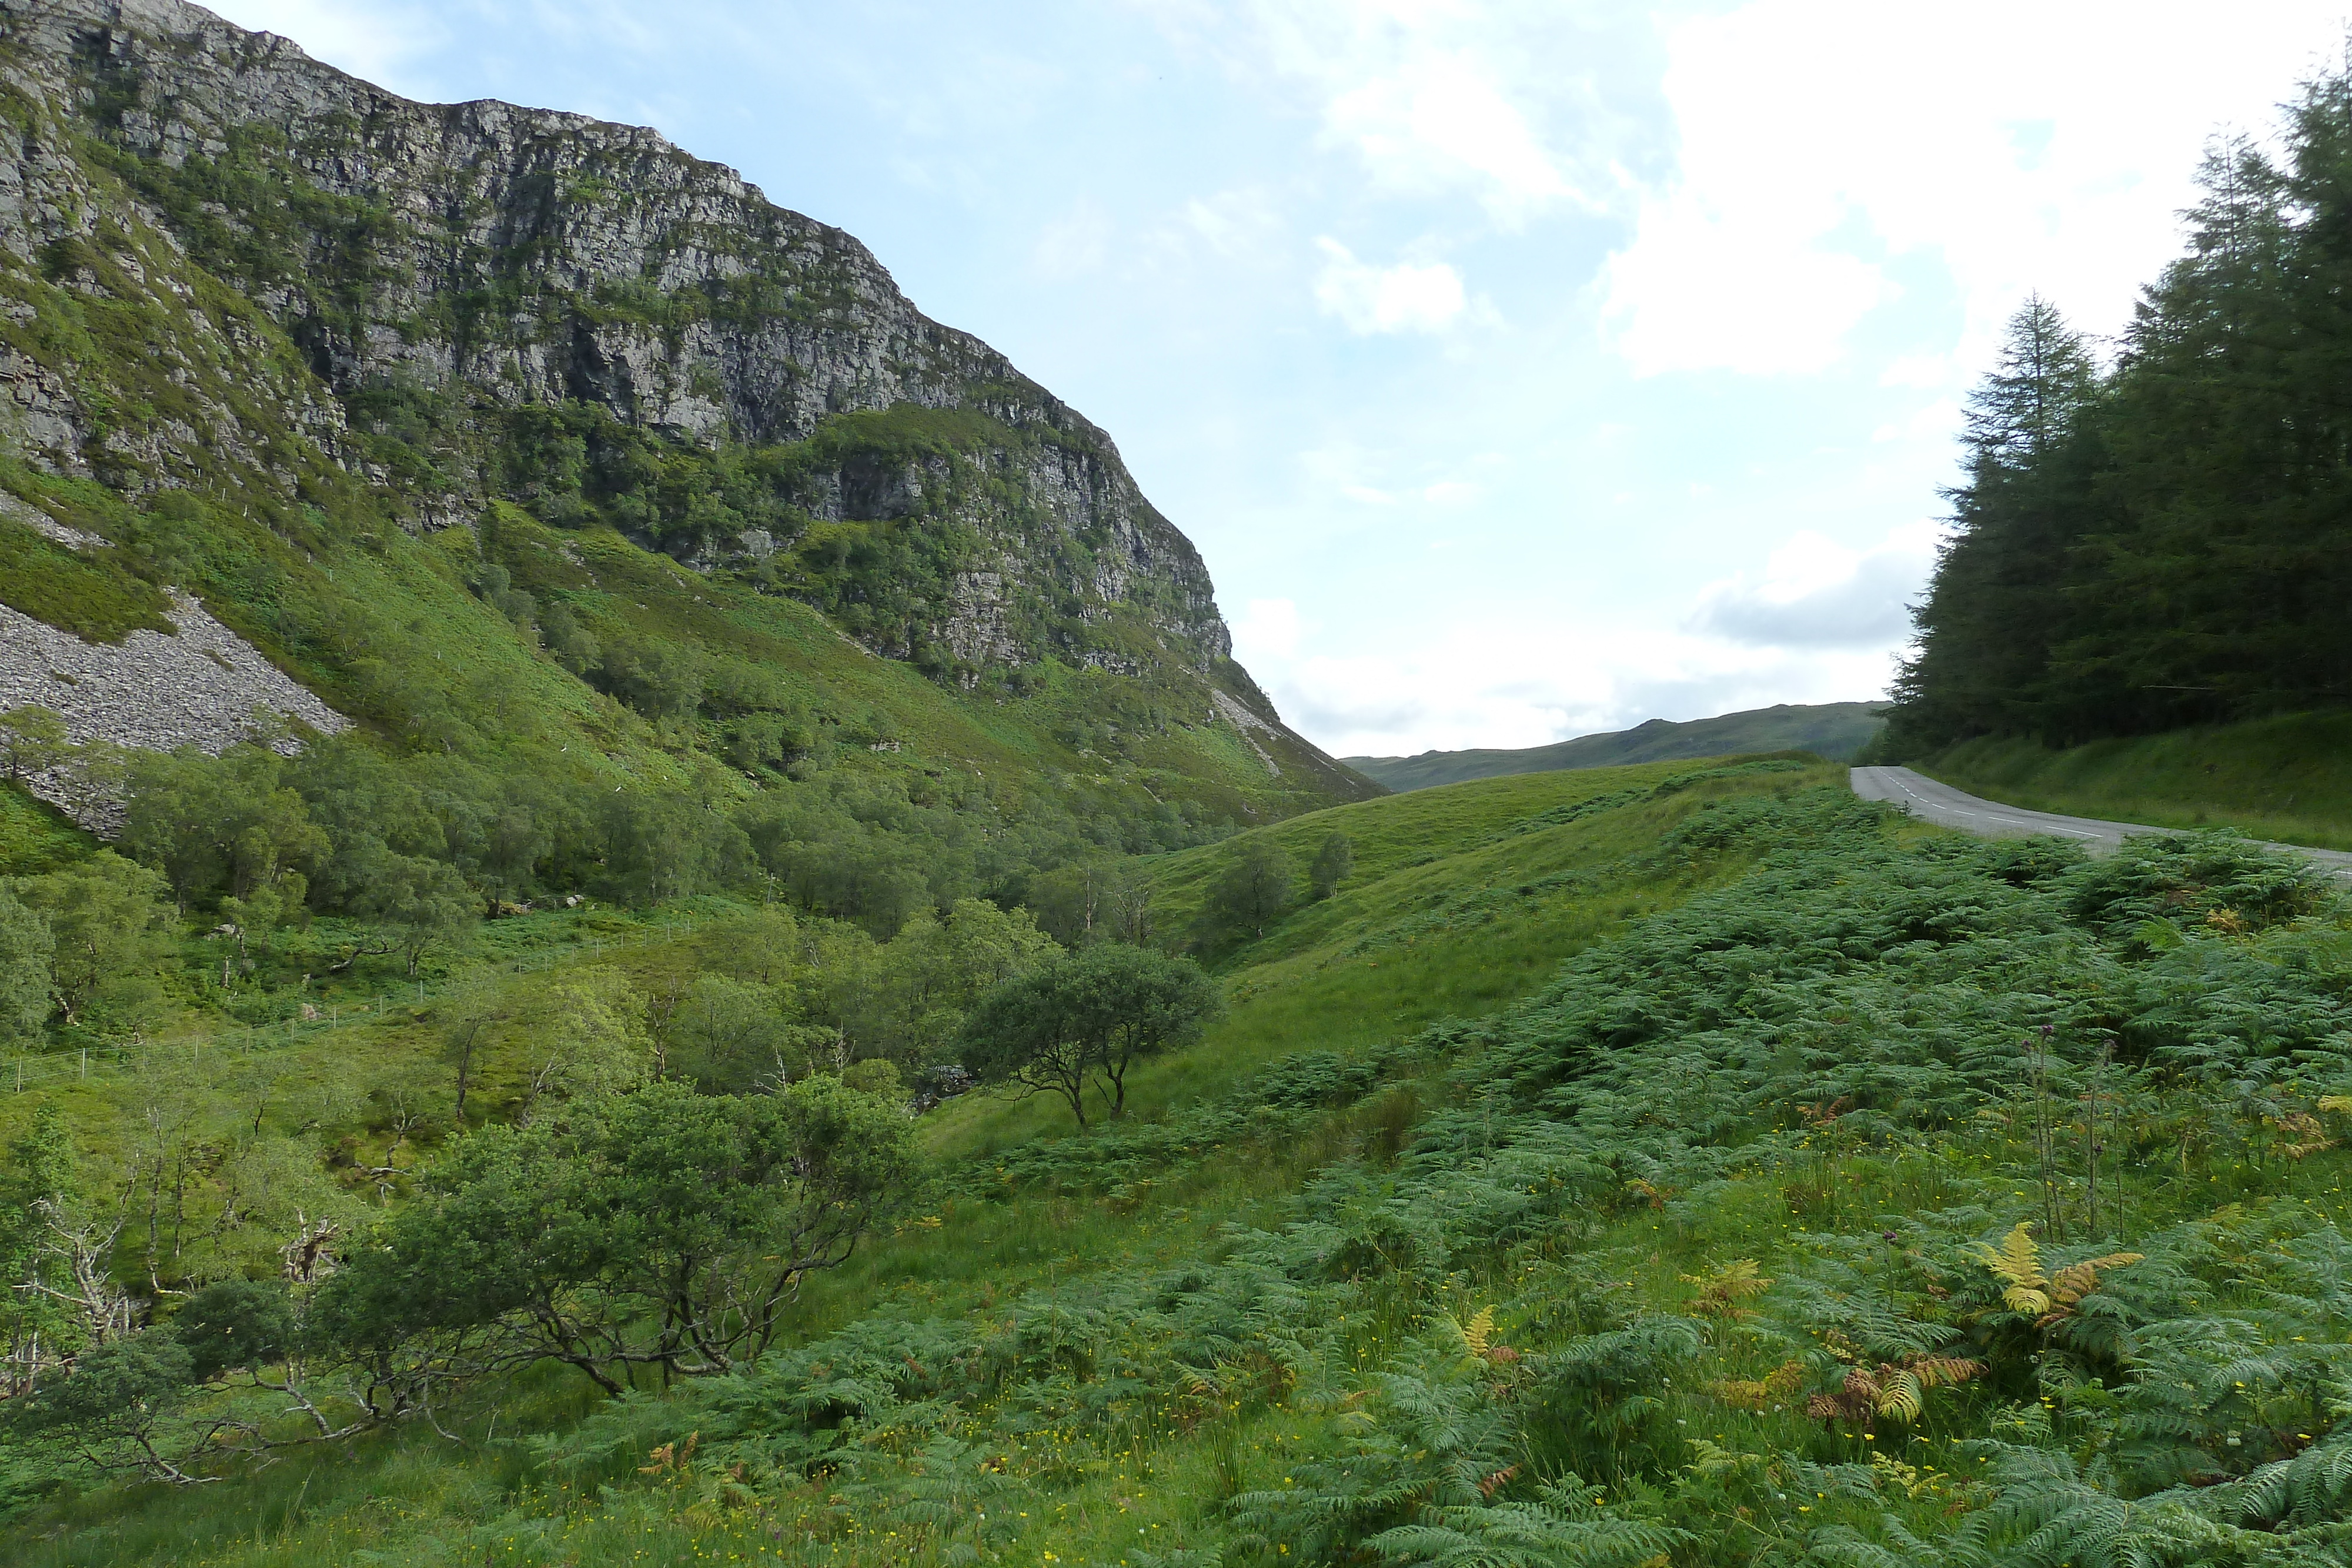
(1332,864)
(1085,1020)
(1255,888)
(662,1228)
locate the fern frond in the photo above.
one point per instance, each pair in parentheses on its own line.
(1901,1396)
(1946,1371)
(2026,1299)
(2016,1261)
(1722,1293)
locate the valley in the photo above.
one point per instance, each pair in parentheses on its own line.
(645,918)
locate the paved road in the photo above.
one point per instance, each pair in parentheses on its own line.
(1923,798)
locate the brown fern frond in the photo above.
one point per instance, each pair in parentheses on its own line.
(1943,1371)
(2304,1134)
(2072,1284)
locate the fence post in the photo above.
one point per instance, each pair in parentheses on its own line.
(85,1064)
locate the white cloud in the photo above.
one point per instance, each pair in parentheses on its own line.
(1269,631)
(1817,593)
(1405,298)
(1438,121)
(1705,288)
(1824,142)
(375,41)
(1521,685)
(1074,242)
(1486,99)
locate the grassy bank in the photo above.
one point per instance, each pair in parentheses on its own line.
(1888,1198)
(2287,780)
(1464,902)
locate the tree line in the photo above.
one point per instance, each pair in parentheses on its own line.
(2161,541)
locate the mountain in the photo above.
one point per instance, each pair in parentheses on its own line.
(521,435)
(1837,731)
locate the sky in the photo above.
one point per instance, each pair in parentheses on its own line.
(1521,370)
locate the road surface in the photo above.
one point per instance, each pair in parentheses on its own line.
(1930,801)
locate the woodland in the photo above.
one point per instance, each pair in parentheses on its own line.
(2156,541)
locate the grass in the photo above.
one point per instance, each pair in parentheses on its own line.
(1808,1072)
(35,836)
(1448,914)
(2287,780)
(52,584)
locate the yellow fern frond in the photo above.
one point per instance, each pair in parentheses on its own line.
(1721,1292)
(2337,1103)
(1900,1395)
(1475,1335)
(2016,1261)
(1743,1393)
(2026,1299)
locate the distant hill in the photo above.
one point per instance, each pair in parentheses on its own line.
(1837,731)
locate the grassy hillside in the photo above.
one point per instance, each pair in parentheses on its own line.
(1462,902)
(1837,731)
(1878,1196)
(2287,780)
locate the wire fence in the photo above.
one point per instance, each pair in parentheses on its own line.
(130,1060)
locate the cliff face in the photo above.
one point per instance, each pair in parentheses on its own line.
(477,302)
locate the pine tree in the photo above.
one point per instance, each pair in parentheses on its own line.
(1996,605)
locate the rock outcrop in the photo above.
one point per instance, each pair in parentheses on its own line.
(498,258)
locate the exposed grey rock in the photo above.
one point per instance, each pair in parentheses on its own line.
(206,687)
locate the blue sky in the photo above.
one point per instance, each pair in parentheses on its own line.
(1521,370)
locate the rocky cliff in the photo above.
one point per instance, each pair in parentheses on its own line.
(477,302)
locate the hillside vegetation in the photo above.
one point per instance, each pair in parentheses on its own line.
(616,627)
(1849,1193)
(2287,780)
(1837,731)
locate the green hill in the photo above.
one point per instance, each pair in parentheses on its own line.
(2287,780)
(1635,1165)
(1837,731)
